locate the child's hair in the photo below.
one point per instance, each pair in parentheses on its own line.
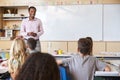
(91,41)
(31,43)
(0,57)
(17,55)
(84,46)
(39,66)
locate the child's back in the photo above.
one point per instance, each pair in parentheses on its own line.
(82,66)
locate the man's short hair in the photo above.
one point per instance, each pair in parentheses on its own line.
(31,7)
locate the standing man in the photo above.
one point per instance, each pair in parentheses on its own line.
(31,27)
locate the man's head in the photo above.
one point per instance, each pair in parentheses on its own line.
(31,43)
(84,46)
(32,11)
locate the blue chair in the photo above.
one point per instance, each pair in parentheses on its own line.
(63,73)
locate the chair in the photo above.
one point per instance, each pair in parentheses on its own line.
(63,73)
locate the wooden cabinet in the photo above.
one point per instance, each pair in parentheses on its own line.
(11,20)
(1,24)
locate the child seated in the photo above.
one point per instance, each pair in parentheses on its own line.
(82,66)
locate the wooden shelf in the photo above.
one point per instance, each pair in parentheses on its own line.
(5,38)
(13,18)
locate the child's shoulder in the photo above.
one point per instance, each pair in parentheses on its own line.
(92,57)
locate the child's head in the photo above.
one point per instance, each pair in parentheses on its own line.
(18,48)
(39,66)
(84,46)
(17,55)
(31,43)
(91,41)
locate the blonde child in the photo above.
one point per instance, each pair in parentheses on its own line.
(18,56)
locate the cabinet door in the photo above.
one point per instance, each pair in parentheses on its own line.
(1,23)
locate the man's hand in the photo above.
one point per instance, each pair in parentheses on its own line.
(29,33)
(32,34)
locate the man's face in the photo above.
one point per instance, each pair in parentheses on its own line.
(32,12)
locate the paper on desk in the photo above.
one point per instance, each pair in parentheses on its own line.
(103,73)
(3,69)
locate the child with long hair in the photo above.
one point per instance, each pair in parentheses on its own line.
(18,56)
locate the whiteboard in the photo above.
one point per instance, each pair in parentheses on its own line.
(70,22)
(112,22)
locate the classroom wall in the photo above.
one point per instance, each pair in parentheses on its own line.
(66,46)
(71,46)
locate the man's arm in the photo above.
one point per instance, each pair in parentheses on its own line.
(40,29)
